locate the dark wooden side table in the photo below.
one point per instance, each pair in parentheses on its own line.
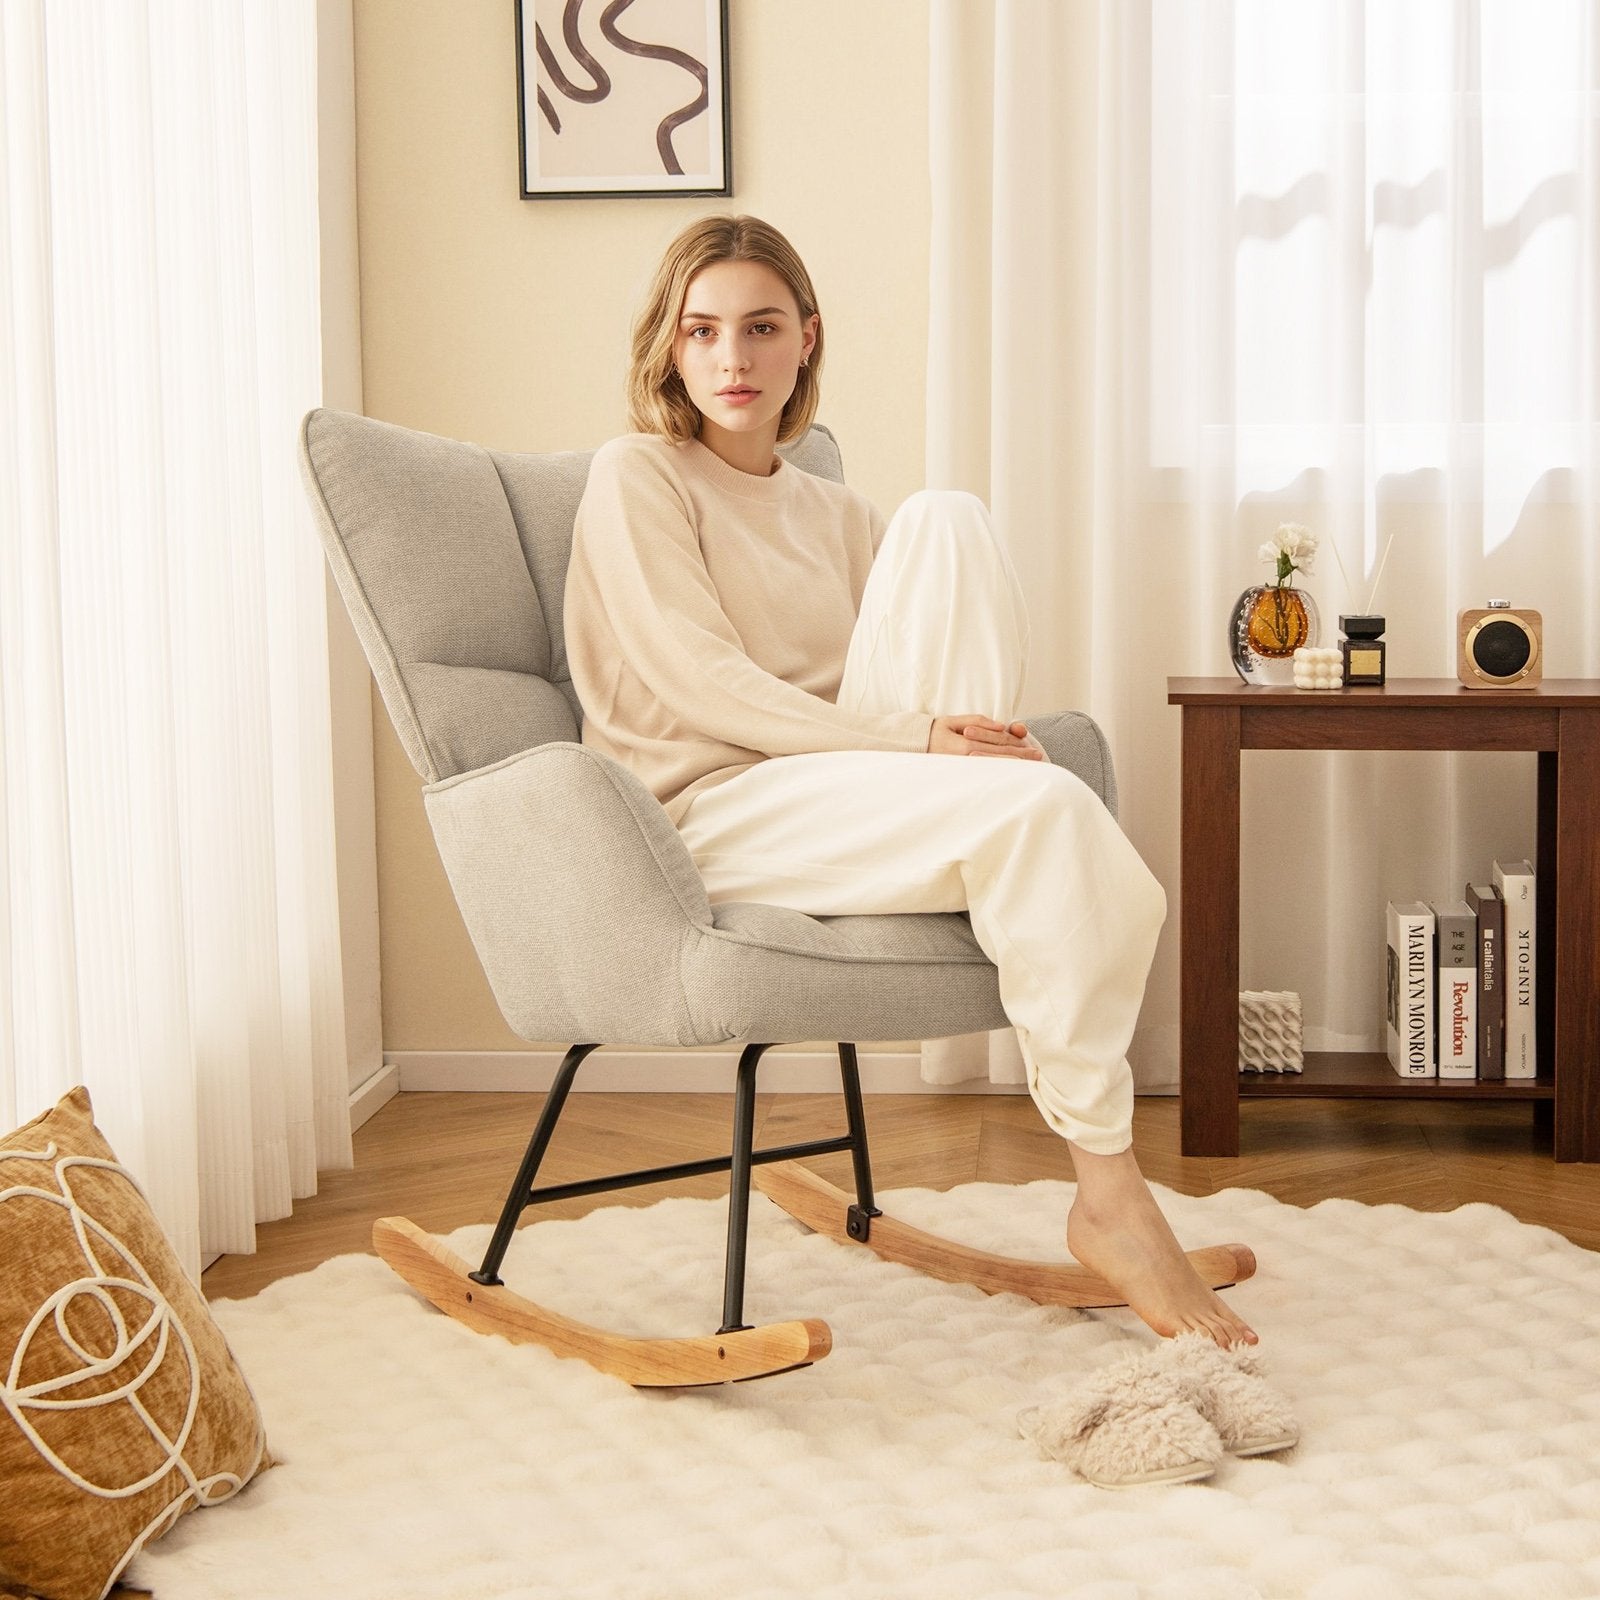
(1560,720)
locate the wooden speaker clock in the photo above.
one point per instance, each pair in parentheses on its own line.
(1500,648)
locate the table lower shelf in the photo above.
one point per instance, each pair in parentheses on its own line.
(1333,1075)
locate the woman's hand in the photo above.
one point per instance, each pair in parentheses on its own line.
(967,735)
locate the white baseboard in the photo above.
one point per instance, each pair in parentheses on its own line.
(674,1071)
(370,1098)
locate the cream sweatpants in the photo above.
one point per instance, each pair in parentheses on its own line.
(1058,898)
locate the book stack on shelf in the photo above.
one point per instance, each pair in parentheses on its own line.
(1461,982)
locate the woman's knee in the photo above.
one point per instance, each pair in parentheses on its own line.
(944,507)
(947,525)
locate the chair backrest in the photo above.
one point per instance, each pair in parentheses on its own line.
(452,560)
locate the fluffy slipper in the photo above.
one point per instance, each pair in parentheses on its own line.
(1129,1424)
(1250,1416)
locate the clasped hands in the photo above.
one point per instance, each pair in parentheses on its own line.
(967,735)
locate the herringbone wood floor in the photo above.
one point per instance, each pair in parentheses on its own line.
(446,1159)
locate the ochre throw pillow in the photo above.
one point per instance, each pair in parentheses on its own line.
(121,1406)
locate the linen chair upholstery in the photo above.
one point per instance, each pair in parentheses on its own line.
(580,896)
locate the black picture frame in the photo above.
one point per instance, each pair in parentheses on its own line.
(599,116)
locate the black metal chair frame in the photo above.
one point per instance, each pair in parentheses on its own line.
(739,1164)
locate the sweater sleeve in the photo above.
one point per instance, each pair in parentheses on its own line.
(635,529)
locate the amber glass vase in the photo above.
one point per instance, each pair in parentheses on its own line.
(1270,622)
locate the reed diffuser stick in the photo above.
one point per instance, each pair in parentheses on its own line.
(1349,588)
(1379,579)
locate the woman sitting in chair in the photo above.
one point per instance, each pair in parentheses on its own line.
(792,680)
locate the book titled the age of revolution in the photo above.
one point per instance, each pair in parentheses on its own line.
(1456,956)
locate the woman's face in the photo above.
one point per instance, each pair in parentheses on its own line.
(738,347)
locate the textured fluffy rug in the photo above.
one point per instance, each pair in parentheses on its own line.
(1445,1369)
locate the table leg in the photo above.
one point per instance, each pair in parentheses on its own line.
(1208,1014)
(1569,948)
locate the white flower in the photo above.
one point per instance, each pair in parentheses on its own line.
(1291,549)
(1299,541)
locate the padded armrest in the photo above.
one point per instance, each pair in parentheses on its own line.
(556,855)
(1074,741)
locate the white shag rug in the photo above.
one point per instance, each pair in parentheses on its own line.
(1445,1370)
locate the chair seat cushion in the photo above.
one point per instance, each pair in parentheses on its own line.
(764,972)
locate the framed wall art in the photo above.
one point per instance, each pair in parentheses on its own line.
(622,98)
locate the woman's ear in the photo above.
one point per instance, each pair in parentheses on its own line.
(808,340)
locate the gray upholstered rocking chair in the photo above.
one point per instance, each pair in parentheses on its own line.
(585,907)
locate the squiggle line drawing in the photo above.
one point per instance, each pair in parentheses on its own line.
(602,80)
(569,32)
(158,1345)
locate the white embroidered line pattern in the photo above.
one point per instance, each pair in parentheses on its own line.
(104,1298)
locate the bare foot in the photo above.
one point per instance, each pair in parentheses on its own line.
(1116,1229)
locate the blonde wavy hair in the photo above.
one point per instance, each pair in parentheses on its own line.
(658,402)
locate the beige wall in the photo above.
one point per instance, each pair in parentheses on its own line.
(350,683)
(504,321)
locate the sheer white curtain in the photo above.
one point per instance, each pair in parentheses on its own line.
(1203,266)
(168,914)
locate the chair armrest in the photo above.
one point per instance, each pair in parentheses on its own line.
(578,893)
(1074,741)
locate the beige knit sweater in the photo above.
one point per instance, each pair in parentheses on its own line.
(708,613)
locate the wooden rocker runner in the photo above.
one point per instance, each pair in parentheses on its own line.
(736,1351)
